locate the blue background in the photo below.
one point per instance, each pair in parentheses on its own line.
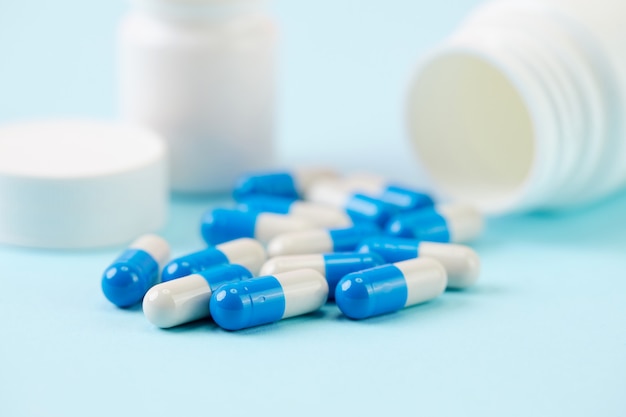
(542,334)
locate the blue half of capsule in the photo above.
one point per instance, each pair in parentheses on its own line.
(338,265)
(365,209)
(405,199)
(348,238)
(193,263)
(249,303)
(127,280)
(271,204)
(391,249)
(279,184)
(222,225)
(372,292)
(426,225)
(217,276)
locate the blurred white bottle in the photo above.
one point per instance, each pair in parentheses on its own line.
(523,107)
(201,73)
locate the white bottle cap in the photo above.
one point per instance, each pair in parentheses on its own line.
(76,184)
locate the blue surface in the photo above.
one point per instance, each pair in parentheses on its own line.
(346,239)
(405,199)
(426,224)
(391,249)
(222,225)
(362,208)
(250,303)
(338,265)
(279,184)
(279,205)
(129,278)
(372,292)
(193,263)
(542,334)
(223,274)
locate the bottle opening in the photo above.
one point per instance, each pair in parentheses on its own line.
(472,130)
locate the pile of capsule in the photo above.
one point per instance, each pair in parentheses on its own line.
(297,239)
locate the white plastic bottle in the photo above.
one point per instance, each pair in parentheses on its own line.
(201,72)
(523,107)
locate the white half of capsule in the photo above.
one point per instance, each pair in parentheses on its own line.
(178,301)
(299,243)
(153,245)
(305,290)
(321,215)
(332,193)
(462,263)
(465,222)
(304,178)
(270,225)
(281,264)
(426,279)
(247,252)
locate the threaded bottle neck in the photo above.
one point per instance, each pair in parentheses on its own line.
(526,112)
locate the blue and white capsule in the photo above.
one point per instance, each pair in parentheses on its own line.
(187,299)
(333,266)
(321,241)
(126,281)
(462,263)
(443,223)
(390,288)
(360,207)
(222,225)
(268,299)
(318,214)
(290,184)
(247,252)
(401,197)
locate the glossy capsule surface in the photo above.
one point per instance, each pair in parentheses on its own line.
(247,252)
(333,266)
(461,262)
(454,223)
(318,214)
(222,225)
(388,288)
(187,299)
(344,239)
(128,278)
(268,299)
(360,207)
(399,196)
(290,184)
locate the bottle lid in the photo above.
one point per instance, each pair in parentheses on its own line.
(80,183)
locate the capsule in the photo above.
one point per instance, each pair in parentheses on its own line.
(360,207)
(222,225)
(127,280)
(268,299)
(443,223)
(390,288)
(462,264)
(290,184)
(333,266)
(321,241)
(187,299)
(401,197)
(318,214)
(245,251)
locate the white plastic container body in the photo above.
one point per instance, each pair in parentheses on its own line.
(201,72)
(523,107)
